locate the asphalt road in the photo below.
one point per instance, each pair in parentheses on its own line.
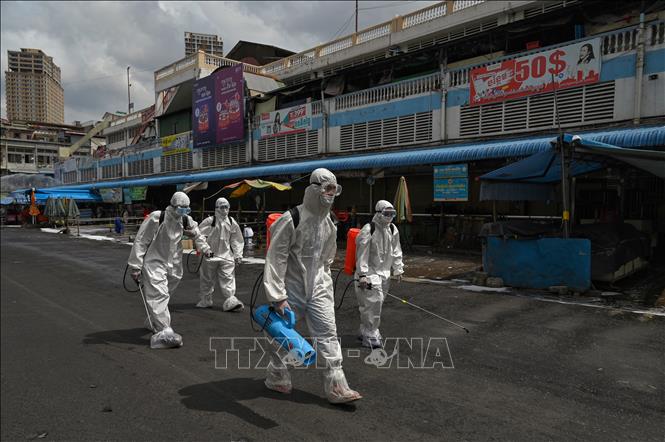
(76,364)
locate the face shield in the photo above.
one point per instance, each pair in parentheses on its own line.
(328,191)
(182,210)
(387,214)
(223,209)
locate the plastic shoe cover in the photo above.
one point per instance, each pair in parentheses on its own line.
(166,338)
(278,379)
(233,304)
(337,389)
(372,342)
(205,302)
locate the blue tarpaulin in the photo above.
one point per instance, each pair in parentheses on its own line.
(532,177)
(41,195)
(543,167)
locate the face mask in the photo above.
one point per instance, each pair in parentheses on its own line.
(182,211)
(327,199)
(223,210)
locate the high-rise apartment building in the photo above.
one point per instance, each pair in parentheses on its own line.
(34,91)
(208,43)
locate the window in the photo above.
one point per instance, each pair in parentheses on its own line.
(14,158)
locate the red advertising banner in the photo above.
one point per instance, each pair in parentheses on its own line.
(568,66)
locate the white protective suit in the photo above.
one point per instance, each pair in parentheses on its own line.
(157,254)
(297,269)
(376,255)
(226,242)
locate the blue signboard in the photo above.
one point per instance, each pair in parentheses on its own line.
(451,183)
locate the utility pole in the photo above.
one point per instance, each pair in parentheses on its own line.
(356,16)
(564,166)
(129,100)
(129,108)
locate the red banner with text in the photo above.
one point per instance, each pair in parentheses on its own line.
(568,66)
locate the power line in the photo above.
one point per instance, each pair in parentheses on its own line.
(104,77)
(387,6)
(344,25)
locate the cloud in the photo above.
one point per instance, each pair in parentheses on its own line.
(94,42)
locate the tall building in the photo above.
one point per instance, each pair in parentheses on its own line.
(208,43)
(34,91)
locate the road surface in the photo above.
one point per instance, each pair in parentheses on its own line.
(76,364)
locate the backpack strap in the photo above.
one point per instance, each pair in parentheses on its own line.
(295,216)
(372,227)
(185,219)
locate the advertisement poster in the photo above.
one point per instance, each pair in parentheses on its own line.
(218,108)
(451,183)
(203,120)
(285,121)
(138,193)
(111,195)
(568,66)
(176,143)
(230,105)
(127,195)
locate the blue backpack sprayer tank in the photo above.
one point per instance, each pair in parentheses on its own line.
(282,330)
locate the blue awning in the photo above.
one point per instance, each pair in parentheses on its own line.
(444,154)
(650,160)
(543,167)
(530,178)
(41,195)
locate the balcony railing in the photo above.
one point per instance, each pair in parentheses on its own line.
(613,42)
(381,30)
(389,92)
(199,60)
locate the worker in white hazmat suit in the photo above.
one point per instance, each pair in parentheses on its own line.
(378,250)
(225,239)
(297,276)
(156,262)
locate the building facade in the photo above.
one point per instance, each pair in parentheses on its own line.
(417,87)
(208,43)
(33,88)
(31,148)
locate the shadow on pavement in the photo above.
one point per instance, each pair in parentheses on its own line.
(225,396)
(136,336)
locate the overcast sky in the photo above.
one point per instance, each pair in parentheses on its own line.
(94,42)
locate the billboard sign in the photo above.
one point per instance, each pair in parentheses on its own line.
(230,104)
(286,121)
(568,66)
(176,143)
(218,108)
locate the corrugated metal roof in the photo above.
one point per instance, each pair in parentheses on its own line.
(453,153)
